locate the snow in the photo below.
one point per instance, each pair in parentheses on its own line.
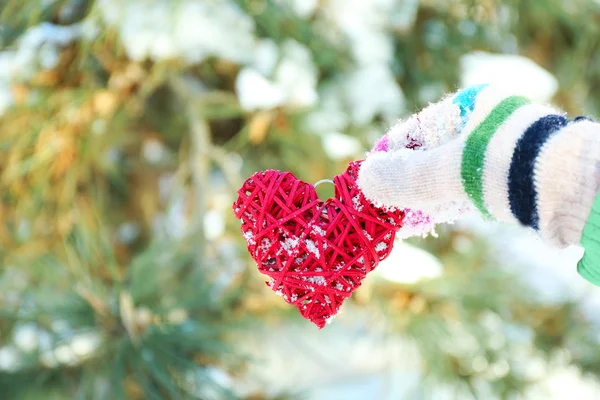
(64,354)
(380,246)
(312,248)
(175,221)
(318,230)
(292,83)
(249,236)
(221,381)
(25,337)
(214,224)
(364,25)
(266,55)
(265,244)
(516,73)
(403,15)
(73,351)
(128,232)
(565,383)
(85,344)
(549,271)
(330,116)
(153,150)
(357,204)
(9,358)
(317,280)
(323,368)
(340,146)
(409,264)
(297,75)
(188,30)
(372,90)
(368,88)
(302,8)
(38,48)
(290,245)
(257,92)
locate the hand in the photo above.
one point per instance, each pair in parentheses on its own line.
(485,149)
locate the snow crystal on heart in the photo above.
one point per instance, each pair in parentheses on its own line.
(265,244)
(317,280)
(312,248)
(339,266)
(380,247)
(249,236)
(289,245)
(318,230)
(357,204)
(367,235)
(300,260)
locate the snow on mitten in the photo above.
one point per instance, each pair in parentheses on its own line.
(498,153)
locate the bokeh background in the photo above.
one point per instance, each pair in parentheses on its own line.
(126,127)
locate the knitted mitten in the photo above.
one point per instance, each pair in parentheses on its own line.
(509,158)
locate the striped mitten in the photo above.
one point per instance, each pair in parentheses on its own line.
(510,159)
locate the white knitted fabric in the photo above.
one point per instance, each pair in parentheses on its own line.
(429,178)
(382,178)
(567,180)
(498,158)
(419,179)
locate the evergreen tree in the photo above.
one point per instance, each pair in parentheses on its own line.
(126,128)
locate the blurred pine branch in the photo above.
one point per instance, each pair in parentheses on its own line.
(122,271)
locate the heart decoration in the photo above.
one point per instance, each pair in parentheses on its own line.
(316,253)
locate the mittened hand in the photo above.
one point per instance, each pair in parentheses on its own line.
(484,149)
(480,149)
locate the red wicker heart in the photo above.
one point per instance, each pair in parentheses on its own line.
(316,253)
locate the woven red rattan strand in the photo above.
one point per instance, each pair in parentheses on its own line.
(316,253)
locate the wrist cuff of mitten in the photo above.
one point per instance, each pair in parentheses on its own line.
(567,182)
(527,163)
